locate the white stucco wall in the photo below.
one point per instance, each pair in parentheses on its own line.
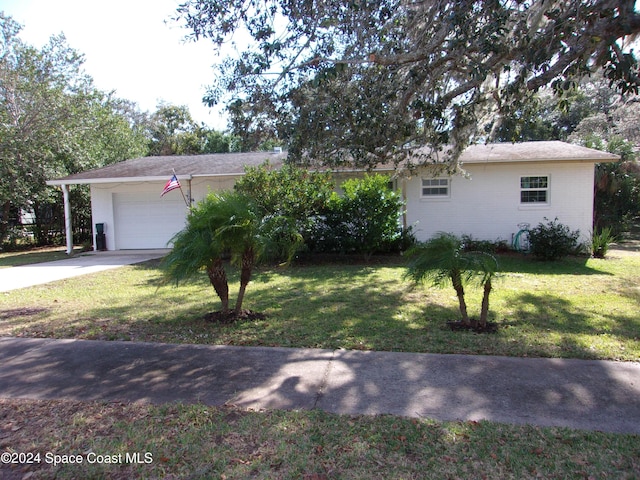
(103,211)
(166,215)
(201,186)
(487,204)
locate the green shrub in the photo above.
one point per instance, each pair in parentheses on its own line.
(600,241)
(290,191)
(470,244)
(297,194)
(362,220)
(553,240)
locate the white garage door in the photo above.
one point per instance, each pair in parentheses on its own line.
(146,220)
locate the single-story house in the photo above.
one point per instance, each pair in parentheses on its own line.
(505,185)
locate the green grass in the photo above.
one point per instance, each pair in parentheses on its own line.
(36,255)
(197,441)
(574,308)
(580,308)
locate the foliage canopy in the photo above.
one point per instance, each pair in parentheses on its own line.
(289,191)
(364,82)
(53,122)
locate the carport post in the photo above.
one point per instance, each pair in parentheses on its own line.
(67,219)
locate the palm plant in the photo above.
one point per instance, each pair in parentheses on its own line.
(600,242)
(196,248)
(238,230)
(227,223)
(443,260)
(485,267)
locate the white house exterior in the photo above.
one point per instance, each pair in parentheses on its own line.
(137,217)
(505,185)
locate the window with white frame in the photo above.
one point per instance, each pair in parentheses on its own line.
(534,189)
(435,187)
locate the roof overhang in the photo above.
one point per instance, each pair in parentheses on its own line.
(612,158)
(232,165)
(91,181)
(534,152)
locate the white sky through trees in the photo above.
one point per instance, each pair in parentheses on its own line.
(131,46)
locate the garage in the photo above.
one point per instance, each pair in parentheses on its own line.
(146,220)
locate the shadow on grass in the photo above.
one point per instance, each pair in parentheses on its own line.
(327,306)
(361,307)
(631,292)
(561,315)
(573,331)
(351,307)
(518,263)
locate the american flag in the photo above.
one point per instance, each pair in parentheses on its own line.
(171,185)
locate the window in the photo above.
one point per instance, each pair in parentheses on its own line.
(435,187)
(534,189)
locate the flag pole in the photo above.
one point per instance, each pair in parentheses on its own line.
(181,191)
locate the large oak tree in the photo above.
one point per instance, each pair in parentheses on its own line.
(366,82)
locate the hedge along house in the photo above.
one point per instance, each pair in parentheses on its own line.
(505,185)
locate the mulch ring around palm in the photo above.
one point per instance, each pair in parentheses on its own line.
(490,327)
(232,316)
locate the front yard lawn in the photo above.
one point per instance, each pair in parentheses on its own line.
(198,441)
(580,308)
(34,255)
(575,308)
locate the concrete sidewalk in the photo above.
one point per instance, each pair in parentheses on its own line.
(23,276)
(592,395)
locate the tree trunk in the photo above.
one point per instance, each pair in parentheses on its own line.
(40,231)
(457,285)
(218,278)
(4,220)
(248,260)
(484,312)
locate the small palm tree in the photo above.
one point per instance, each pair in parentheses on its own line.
(485,267)
(236,231)
(227,223)
(443,259)
(197,248)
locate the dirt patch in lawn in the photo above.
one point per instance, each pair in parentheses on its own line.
(231,317)
(21,312)
(490,327)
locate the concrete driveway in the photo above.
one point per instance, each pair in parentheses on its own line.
(13,278)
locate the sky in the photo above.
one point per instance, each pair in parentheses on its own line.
(130,46)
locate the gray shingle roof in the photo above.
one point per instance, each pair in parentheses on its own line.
(162,167)
(232,164)
(533,152)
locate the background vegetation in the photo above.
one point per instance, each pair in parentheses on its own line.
(54,122)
